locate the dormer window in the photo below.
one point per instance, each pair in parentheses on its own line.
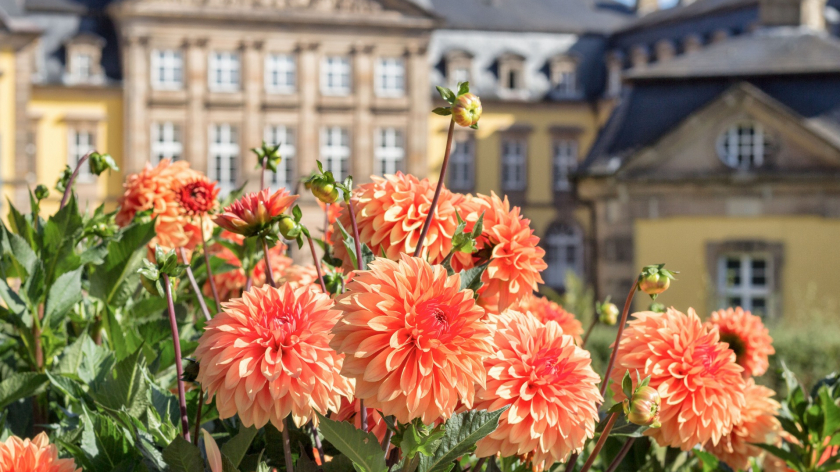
(84,53)
(512,72)
(563,70)
(458,65)
(744,145)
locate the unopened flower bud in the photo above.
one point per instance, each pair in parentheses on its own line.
(325,191)
(41,192)
(643,407)
(149,285)
(288,227)
(467,110)
(608,314)
(654,280)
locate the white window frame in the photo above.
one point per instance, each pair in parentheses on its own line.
(333,71)
(83,66)
(390,77)
(285,137)
(223,156)
(280,73)
(224,71)
(740,151)
(389,150)
(559,240)
(79,143)
(462,164)
(167,141)
(514,164)
(168,63)
(565,159)
(336,156)
(746,291)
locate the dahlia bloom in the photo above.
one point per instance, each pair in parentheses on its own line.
(349,412)
(747,336)
(544,310)
(267,355)
(197,197)
(255,211)
(33,455)
(549,385)
(390,212)
(415,343)
(696,375)
(230,284)
(300,275)
(758,425)
(154,188)
(517,260)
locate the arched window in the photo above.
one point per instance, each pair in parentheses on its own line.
(563,253)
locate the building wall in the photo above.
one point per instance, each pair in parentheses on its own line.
(55,110)
(810,270)
(7,120)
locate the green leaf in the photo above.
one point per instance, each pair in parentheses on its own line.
(182,456)
(13,302)
(340,463)
(414,441)
(710,462)
(831,412)
(442,111)
(61,233)
(446,94)
(238,445)
(116,279)
(20,385)
(65,292)
(463,87)
(126,388)
(21,252)
(304,463)
(361,447)
(367,256)
(471,279)
(462,431)
(627,384)
(67,386)
(105,445)
(786,456)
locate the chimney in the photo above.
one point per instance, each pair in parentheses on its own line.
(808,13)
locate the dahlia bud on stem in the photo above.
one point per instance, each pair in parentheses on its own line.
(465,109)
(642,403)
(655,279)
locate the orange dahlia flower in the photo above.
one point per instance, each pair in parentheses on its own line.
(390,212)
(154,188)
(544,310)
(267,355)
(299,274)
(747,336)
(255,211)
(35,455)
(349,412)
(700,384)
(197,197)
(230,284)
(549,385)
(758,425)
(414,341)
(507,238)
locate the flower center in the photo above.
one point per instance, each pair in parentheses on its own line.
(547,364)
(435,319)
(735,343)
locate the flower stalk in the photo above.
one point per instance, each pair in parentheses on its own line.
(198,415)
(317,264)
(600,444)
(179,368)
(620,457)
(196,289)
(207,265)
(68,187)
(438,188)
(269,273)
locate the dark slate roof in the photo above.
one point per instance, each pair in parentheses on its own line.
(682,13)
(767,52)
(552,16)
(55,6)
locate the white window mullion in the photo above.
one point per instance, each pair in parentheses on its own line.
(224,156)
(283,136)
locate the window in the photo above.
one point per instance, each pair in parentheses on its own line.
(390,77)
(462,164)
(167,69)
(335,75)
(166,142)
(285,137)
(335,151)
(459,75)
(458,67)
(390,151)
(80,142)
(224,156)
(84,67)
(564,253)
(564,75)
(744,145)
(280,70)
(565,162)
(514,175)
(512,72)
(745,280)
(224,72)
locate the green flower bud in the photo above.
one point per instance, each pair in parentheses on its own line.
(288,227)
(608,313)
(99,163)
(654,280)
(643,407)
(466,111)
(41,192)
(325,191)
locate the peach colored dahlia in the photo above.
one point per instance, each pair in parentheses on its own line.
(544,310)
(197,197)
(33,455)
(415,343)
(267,355)
(747,336)
(154,188)
(758,425)
(507,238)
(696,375)
(255,211)
(390,212)
(549,385)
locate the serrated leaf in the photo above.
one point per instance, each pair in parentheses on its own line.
(13,302)
(831,412)
(115,280)
(238,445)
(65,292)
(462,431)
(182,456)
(126,388)
(360,447)
(21,252)
(20,385)
(104,444)
(471,278)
